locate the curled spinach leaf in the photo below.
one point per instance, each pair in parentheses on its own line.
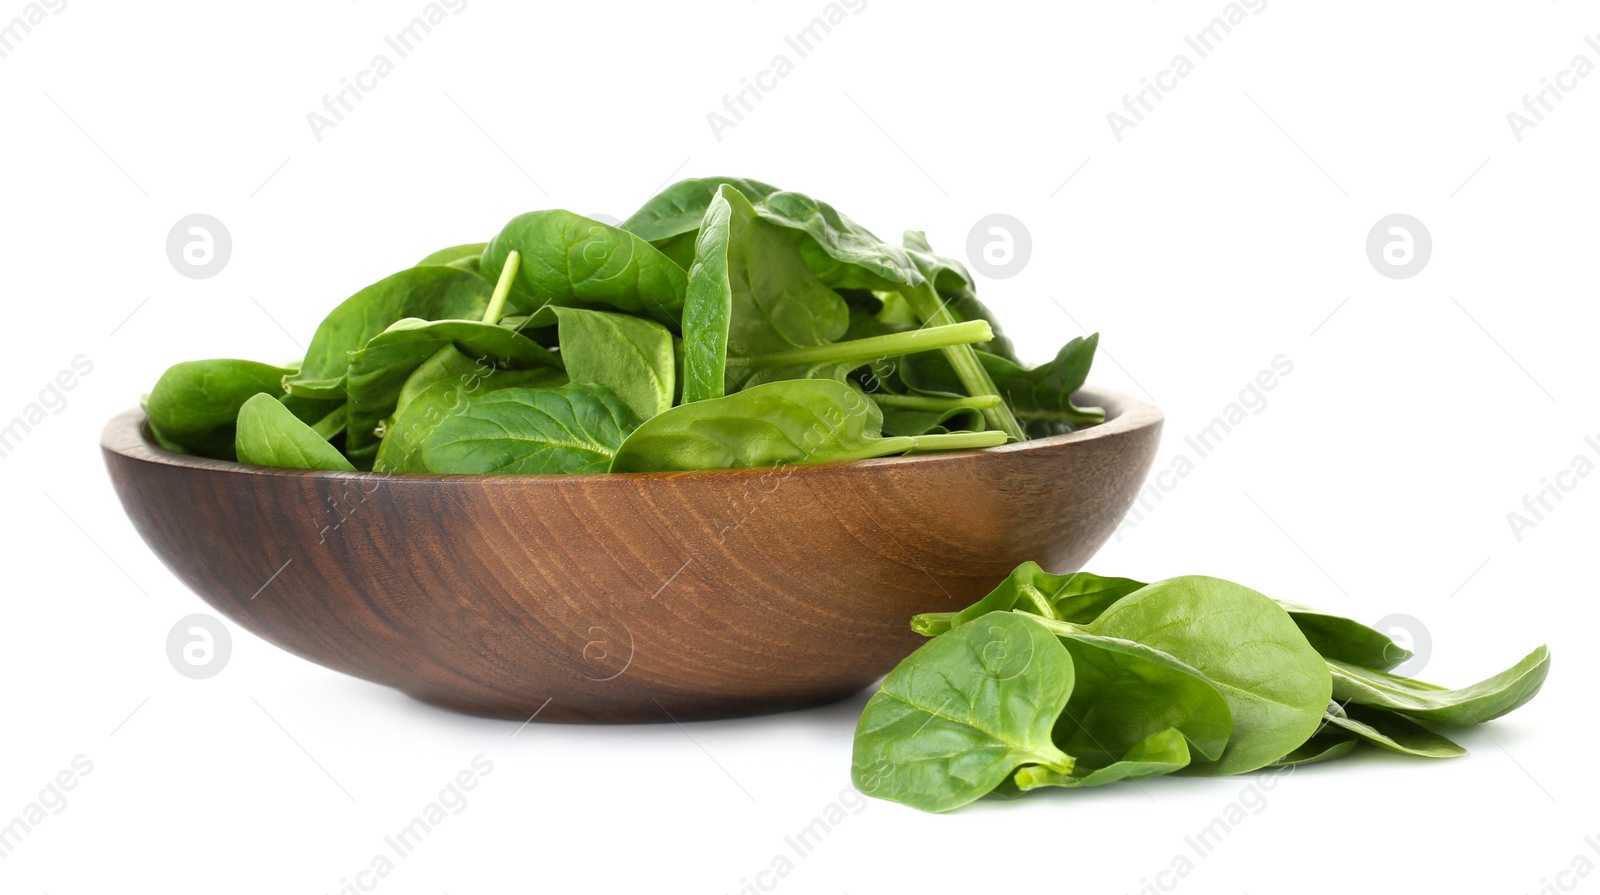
(1392,731)
(1127,692)
(1484,701)
(1276,689)
(1320,748)
(1162,752)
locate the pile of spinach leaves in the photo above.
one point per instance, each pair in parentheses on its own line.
(1080,680)
(727,323)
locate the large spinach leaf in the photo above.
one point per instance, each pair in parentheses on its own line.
(778,424)
(1276,689)
(437,399)
(749,292)
(570,429)
(962,713)
(194,405)
(574,261)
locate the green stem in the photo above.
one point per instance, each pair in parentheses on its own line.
(873,347)
(930,623)
(1077,416)
(926,302)
(935,404)
(502,287)
(1040,603)
(957,441)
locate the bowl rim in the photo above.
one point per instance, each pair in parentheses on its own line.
(127,435)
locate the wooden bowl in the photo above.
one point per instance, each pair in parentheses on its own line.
(633,597)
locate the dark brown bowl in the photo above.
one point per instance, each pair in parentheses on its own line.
(634,597)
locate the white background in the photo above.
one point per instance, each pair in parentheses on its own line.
(1226,229)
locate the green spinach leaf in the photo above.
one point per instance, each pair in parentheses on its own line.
(1160,753)
(1077,597)
(573,261)
(1322,747)
(955,719)
(629,355)
(1391,731)
(429,293)
(269,435)
(464,257)
(437,400)
(378,371)
(778,424)
(570,429)
(1347,640)
(194,406)
(749,292)
(1484,701)
(1275,684)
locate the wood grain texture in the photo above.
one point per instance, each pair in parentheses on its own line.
(626,598)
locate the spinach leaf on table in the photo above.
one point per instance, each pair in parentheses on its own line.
(1276,689)
(954,720)
(429,293)
(1127,692)
(1158,754)
(570,429)
(1078,597)
(269,435)
(1483,701)
(1322,747)
(574,261)
(1347,640)
(777,424)
(195,404)
(1392,731)
(629,355)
